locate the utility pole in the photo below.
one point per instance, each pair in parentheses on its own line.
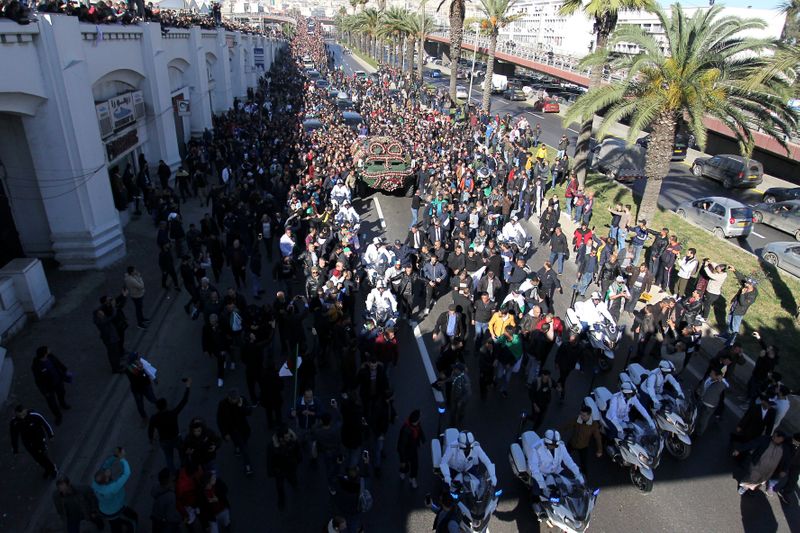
(472,72)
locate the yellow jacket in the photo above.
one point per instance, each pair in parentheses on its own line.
(498,323)
(541,153)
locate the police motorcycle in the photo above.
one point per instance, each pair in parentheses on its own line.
(519,241)
(675,416)
(599,330)
(474,489)
(637,448)
(566,503)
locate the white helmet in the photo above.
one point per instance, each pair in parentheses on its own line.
(666,367)
(466,440)
(628,388)
(596,296)
(381,284)
(552,437)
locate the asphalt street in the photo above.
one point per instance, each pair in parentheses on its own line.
(697,494)
(679,186)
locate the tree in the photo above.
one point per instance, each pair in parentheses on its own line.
(368,23)
(457,9)
(791,27)
(604,13)
(395,28)
(705,70)
(498,16)
(421,25)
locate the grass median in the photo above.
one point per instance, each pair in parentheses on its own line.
(773,313)
(365,57)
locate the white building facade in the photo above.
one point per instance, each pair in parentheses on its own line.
(79,100)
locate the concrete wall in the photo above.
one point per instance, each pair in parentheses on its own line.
(55,159)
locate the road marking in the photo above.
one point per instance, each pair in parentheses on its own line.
(759,191)
(757,235)
(426,361)
(380,212)
(573,131)
(535,115)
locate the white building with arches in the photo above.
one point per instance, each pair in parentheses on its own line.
(77,100)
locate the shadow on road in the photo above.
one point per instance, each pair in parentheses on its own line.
(757,515)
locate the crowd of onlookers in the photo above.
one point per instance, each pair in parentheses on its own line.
(122,12)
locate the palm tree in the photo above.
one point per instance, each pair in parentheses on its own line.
(704,70)
(791,28)
(396,29)
(498,16)
(368,24)
(604,13)
(457,9)
(421,25)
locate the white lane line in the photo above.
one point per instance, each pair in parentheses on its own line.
(380,212)
(426,362)
(535,115)
(757,235)
(573,131)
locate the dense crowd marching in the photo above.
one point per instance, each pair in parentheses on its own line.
(293,193)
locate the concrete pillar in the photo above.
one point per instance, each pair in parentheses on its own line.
(84,225)
(238,81)
(199,97)
(222,96)
(161,133)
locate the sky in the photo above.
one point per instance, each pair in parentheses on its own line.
(761,4)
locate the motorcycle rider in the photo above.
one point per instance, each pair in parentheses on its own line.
(547,459)
(377,258)
(379,300)
(619,410)
(593,311)
(463,456)
(348,214)
(514,232)
(340,193)
(653,386)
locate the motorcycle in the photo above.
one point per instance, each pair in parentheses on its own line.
(603,337)
(638,449)
(378,319)
(475,506)
(567,505)
(675,418)
(520,246)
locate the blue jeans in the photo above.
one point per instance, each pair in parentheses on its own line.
(637,253)
(568,201)
(621,234)
(578,214)
(413,217)
(585,281)
(613,233)
(734,324)
(169,447)
(559,259)
(480,330)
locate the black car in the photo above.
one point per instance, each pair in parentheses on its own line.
(679,145)
(731,170)
(781,194)
(514,94)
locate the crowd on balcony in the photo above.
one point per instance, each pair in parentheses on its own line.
(123,12)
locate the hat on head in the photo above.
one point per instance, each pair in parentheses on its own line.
(620,279)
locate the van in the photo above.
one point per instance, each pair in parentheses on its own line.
(731,170)
(721,216)
(352,119)
(615,158)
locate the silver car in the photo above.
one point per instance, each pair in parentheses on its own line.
(784,216)
(721,216)
(783,254)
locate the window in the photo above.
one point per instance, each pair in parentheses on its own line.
(718,210)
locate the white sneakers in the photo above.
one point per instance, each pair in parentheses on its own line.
(219,383)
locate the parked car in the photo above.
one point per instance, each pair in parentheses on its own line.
(514,94)
(780,194)
(783,254)
(461,92)
(721,216)
(434,73)
(313,74)
(615,158)
(546,105)
(784,216)
(731,170)
(679,145)
(360,75)
(322,83)
(462,74)
(352,119)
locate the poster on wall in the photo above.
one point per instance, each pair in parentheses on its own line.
(184,110)
(258,57)
(121,108)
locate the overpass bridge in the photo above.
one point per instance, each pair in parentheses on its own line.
(565,69)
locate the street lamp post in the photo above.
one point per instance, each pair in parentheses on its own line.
(476,27)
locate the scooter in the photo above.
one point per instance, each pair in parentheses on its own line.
(603,337)
(567,505)
(638,449)
(475,507)
(675,418)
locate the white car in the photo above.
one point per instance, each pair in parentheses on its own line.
(461,92)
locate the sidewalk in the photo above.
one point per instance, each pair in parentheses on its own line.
(102,409)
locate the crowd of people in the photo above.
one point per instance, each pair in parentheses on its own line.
(125,12)
(285,199)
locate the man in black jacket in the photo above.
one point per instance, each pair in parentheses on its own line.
(165,422)
(484,309)
(49,373)
(232,413)
(450,325)
(657,248)
(34,431)
(558,249)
